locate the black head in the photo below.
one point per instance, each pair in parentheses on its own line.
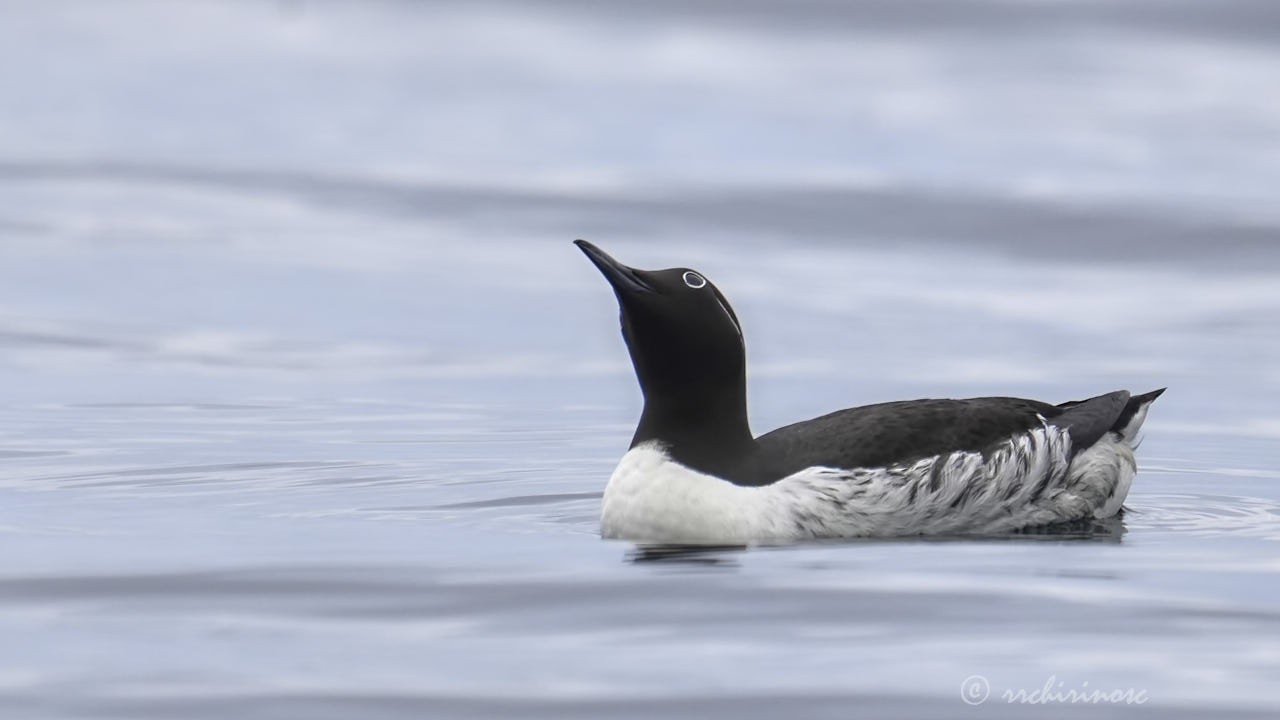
(686,346)
(680,330)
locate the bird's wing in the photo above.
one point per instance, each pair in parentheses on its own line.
(900,432)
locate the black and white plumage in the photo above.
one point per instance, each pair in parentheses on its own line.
(695,474)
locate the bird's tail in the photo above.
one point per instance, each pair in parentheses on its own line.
(1133,415)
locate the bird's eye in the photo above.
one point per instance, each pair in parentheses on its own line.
(694,280)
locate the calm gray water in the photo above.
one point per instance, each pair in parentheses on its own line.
(307,402)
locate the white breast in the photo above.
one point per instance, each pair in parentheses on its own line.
(1026,482)
(652,498)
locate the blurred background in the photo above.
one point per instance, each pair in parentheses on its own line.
(306,399)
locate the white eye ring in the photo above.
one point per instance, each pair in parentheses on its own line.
(694,280)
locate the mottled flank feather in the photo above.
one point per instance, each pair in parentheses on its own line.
(1030,480)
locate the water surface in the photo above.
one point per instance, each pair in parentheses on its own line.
(308,401)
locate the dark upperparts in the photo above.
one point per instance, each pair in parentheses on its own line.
(688,353)
(904,431)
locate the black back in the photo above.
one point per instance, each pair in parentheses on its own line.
(901,432)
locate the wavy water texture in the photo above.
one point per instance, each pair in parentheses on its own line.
(307,401)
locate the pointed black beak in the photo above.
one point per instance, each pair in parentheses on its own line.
(625,280)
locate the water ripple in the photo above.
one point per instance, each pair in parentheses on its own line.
(1205,514)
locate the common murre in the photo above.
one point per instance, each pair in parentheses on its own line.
(694,473)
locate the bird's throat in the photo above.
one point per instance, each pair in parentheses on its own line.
(707,432)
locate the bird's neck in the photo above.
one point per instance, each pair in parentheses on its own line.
(704,430)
